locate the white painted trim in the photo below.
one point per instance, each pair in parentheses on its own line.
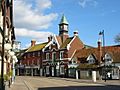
(47,46)
(91,58)
(73,53)
(56,41)
(54,49)
(61,52)
(58,59)
(65,59)
(68,45)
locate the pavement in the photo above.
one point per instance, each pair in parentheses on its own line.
(21,84)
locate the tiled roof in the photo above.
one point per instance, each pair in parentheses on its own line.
(59,40)
(20,53)
(67,41)
(37,47)
(114,51)
(87,46)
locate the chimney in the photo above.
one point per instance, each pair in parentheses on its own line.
(75,33)
(33,42)
(50,38)
(99,51)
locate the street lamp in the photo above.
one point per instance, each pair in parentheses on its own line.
(103,37)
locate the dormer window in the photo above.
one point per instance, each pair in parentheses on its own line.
(108,59)
(91,59)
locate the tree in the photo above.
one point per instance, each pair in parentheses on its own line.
(117,38)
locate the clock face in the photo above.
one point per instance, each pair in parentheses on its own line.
(65,27)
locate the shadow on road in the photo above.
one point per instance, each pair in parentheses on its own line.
(108,87)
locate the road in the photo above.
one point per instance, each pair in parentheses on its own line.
(43,83)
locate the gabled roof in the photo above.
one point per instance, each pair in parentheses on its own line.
(59,40)
(114,51)
(87,46)
(20,53)
(37,47)
(67,41)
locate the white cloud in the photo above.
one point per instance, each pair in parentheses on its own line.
(30,19)
(31,15)
(43,4)
(31,33)
(85,3)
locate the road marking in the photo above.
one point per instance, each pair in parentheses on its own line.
(28,86)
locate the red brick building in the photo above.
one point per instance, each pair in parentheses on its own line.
(67,56)
(59,53)
(52,58)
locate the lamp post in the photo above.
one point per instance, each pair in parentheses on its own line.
(104,53)
(103,37)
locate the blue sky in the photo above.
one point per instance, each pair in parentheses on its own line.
(37,19)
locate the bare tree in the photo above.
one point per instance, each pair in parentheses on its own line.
(117,38)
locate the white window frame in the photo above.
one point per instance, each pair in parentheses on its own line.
(54,53)
(47,56)
(61,55)
(108,59)
(91,59)
(62,69)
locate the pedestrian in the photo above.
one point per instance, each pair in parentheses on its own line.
(108,75)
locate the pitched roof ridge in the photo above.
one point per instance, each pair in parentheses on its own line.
(41,43)
(34,47)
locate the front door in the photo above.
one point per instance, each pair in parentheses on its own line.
(52,71)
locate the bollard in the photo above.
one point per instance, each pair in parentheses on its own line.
(94,76)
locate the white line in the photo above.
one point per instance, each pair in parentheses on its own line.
(28,86)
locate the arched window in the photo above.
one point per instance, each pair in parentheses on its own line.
(53,56)
(91,59)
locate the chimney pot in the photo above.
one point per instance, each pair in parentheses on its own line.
(33,42)
(75,33)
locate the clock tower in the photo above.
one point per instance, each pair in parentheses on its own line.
(63,28)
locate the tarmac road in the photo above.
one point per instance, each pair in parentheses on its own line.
(52,83)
